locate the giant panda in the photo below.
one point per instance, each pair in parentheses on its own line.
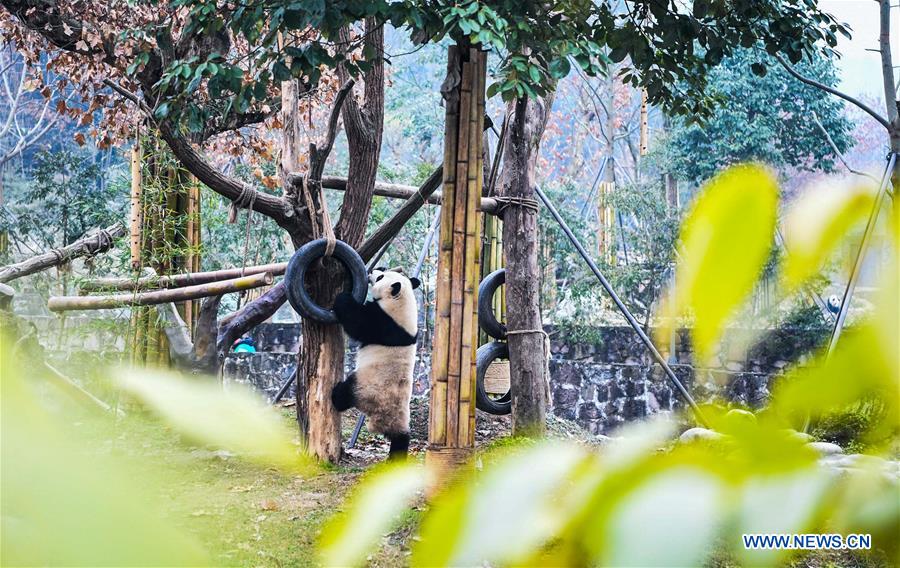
(386,328)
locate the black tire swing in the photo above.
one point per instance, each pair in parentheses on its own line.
(295,277)
(489,352)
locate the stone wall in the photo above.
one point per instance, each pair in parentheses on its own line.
(603,383)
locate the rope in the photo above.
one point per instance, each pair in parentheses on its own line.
(247,233)
(524,202)
(326,230)
(244,201)
(547,397)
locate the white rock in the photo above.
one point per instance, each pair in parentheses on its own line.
(825,448)
(699,434)
(802,436)
(741,414)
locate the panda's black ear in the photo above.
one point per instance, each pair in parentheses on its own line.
(415,282)
(395,288)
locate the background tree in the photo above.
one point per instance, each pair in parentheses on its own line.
(769,119)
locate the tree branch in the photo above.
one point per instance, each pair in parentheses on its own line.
(812,82)
(887,65)
(93,242)
(836,150)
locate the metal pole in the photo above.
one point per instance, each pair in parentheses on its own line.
(415,274)
(631,321)
(861,254)
(292,374)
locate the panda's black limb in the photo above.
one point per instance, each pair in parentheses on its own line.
(342,394)
(399,446)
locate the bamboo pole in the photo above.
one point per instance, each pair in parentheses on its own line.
(645,125)
(451,425)
(137,212)
(178,280)
(67,303)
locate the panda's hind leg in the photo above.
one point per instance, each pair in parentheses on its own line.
(342,395)
(399,446)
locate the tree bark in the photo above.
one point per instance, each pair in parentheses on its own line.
(523,276)
(891,102)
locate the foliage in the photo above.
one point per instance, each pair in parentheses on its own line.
(72,496)
(640,501)
(743,199)
(68,196)
(767,118)
(670,50)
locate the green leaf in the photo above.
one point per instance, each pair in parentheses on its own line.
(232,419)
(161,111)
(510,513)
(372,511)
(668,520)
(816,223)
(725,242)
(559,67)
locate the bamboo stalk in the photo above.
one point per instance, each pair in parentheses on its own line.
(137,213)
(67,303)
(178,280)
(458,264)
(437,434)
(645,125)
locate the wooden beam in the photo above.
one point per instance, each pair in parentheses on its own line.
(178,280)
(401,191)
(93,242)
(67,303)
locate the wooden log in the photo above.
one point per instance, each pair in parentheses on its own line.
(178,280)
(402,191)
(93,242)
(68,303)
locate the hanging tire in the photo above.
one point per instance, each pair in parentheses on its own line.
(487,320)
(486,355)
(295,278)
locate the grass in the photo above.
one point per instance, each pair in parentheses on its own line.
(240,513)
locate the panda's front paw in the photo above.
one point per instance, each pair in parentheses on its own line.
(343,302)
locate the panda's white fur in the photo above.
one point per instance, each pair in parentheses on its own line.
(384,374)
(381,384)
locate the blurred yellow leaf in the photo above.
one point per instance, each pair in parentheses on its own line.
(233,418)
(777,504)
(668,520)
(503,518)
(68,503)
(374,509)
(816,223)
(725,242)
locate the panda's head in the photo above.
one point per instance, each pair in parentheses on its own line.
(394,293)
(391,284)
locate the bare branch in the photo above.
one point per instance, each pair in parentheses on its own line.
(812,82)
(93,242)
(835,149)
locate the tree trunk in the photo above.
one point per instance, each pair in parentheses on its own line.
(320,368)
(523,275)
(321,358)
